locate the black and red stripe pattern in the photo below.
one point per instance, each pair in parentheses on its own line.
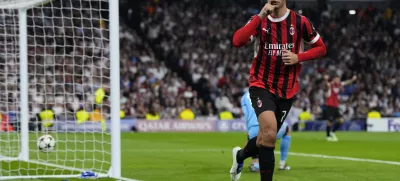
(268,70)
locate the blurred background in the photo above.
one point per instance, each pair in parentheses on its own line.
(180,73)
(178,62)
(180,57)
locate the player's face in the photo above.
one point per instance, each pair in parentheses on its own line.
(277,3)
(337,80)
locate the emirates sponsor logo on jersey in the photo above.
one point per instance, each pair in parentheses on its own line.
(276,49)
(278,46)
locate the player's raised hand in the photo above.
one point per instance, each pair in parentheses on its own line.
(326,77)
(289,58)
(266,10)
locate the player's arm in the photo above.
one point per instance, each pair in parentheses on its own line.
(348,82)
(327,87)
(311,36)
(249,31)
(327,83)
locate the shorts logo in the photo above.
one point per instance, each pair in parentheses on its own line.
(259,103)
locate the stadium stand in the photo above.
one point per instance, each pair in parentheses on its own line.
(146,83)
(179,59)
(219,71)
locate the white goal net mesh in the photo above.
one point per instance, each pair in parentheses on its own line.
(68,65)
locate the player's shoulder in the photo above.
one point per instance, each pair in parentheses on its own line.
(296,13)
(302,17)
(250,19)
(254,16)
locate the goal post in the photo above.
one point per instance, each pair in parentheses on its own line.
(23,77)
(57,53)
(115,93)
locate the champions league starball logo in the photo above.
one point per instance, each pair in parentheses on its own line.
(223,126)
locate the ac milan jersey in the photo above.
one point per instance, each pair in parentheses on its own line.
(333,98)
(271,37)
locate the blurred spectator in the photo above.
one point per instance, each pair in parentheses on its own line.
(305,115)
(181,57)
(374,113)
(5,124)
(69,65)
(152,115)
(122,114)
(82,115)
(187,114)
(96,115)
(361,44)
(396,112)
(294,113)
(225,115)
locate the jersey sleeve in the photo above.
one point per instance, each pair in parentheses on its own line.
(255,32)
(310,34)
(246,33)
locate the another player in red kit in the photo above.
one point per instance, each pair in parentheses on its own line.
(331,111)
(278,34)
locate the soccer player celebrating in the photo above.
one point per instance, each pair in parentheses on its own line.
(278,34)
(331,111)
(252,127)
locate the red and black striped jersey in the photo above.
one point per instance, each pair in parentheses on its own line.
(271,37)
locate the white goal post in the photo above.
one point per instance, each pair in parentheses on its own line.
(55,54)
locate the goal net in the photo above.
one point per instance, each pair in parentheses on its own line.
(55,59)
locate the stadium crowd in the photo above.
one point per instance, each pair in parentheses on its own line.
(185,60)
(68,51)
(363,44)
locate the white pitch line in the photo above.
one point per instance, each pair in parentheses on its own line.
(125,179)
(3,158)
(343,158)
(290,153)
(176,150)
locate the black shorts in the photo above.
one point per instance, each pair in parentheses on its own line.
(331,113)
(262,100)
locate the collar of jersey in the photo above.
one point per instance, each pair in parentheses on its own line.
(279,19)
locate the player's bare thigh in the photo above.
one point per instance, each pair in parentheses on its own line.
(268,129)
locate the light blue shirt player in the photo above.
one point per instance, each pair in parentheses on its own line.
(250,116)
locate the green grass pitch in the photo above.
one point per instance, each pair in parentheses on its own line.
(207,157)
